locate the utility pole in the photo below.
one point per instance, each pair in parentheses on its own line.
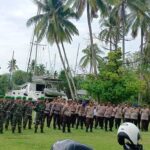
(36,52)
(33,37)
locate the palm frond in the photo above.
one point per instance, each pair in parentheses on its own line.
(34,20)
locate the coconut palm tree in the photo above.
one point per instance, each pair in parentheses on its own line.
(87,58)
(32,66)
(110,33)
(12,66)
(40,70)
(92,6)
(120,7)
(53,24)
(139,21)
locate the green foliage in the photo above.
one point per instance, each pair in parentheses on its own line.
(53,23)
(20,77)
(114,83)
(64,85)
(79,81)
(4,84)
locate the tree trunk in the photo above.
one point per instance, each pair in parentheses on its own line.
(91,39)
(110,41)
(123,26)
(91,63)
(117,37)
(141,62)
(71,77)
(71,91)
(142,44)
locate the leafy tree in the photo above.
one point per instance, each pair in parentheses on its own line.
(40,70)
(64,85)
(114,83)
(4,83)
(20,77)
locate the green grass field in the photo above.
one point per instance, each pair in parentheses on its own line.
(99,139)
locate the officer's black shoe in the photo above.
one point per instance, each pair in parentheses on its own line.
(13,131)
(111,130)
(35,131)
(19,130)
(42,131)
(1,132)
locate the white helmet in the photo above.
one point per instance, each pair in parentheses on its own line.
(128,131)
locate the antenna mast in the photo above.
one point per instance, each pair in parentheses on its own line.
(33,37)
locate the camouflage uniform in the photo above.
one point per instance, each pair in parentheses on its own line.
(17,109)
(9,114)
(1,117)
(27,115)
(39,119)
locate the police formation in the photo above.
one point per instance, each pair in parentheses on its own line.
(17,113)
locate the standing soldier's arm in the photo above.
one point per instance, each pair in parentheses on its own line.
(52,109)
(86,110)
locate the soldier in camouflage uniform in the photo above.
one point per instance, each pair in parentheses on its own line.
(9,115)
(1,115)
(28,114)
(17,110)
(39,119)
(24,107)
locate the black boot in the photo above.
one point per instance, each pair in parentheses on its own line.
(42,130)
(86,129)
(35,131)
(19,130)
(1,131)
(13,130)
(69,131)
(6,128)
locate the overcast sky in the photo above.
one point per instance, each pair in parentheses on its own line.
(15,36)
